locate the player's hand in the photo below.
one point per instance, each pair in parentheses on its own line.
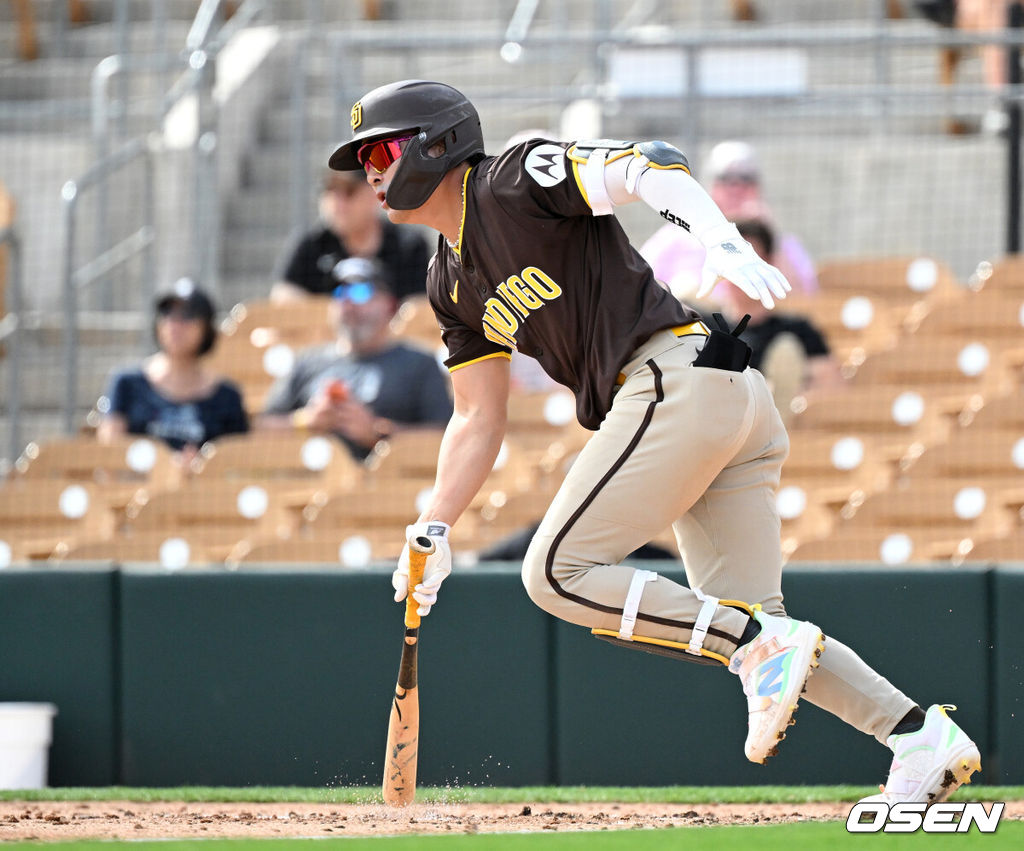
(435,571)
(730,256)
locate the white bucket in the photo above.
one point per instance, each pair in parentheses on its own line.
(26,730)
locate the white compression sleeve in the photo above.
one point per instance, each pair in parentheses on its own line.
(670,192)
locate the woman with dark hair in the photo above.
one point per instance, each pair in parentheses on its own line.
(172,396)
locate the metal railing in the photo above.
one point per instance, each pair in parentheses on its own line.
(10,336)
(877,97)
(76,278)
(203,44)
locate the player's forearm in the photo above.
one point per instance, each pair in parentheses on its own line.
(468,451)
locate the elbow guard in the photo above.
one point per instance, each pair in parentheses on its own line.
(589,159)
(663,155)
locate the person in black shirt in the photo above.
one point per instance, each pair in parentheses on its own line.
(173,396)
(530,258)
(351,226)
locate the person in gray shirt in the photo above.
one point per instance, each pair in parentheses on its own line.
(367,384)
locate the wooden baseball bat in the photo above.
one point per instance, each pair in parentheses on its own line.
(399,787)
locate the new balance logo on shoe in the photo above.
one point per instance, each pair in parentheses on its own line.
(771,677)
(946,817)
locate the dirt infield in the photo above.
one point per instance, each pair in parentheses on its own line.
(53,821)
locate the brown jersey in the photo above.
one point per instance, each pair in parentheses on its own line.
(536,271)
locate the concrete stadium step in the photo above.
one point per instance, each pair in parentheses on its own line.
(53,78)
(252,251)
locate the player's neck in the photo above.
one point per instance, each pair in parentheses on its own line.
(451,200)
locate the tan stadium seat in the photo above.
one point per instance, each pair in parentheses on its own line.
(378,503)
(36,515)
(299,323)
(989,314)
(937,514)
(802,518)
(415,323)
(992,456)
(889,547)
(892,417)
(172,549)
(407,454)
(1005,275)
(853,324)
(1000,412)
(537,420)
(834,463)
(293,465)
(341,549)
(951,371)
(254,368)
(1004,548)
(117,469)
(896,280)
(216,512)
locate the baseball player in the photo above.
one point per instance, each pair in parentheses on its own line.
(530,258)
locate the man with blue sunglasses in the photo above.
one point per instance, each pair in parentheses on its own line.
(366,385)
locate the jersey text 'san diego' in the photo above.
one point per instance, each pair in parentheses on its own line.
(535,271)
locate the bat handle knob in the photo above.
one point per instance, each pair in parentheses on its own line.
(423,544)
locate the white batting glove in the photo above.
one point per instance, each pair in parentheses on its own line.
(435,571)
(730,256)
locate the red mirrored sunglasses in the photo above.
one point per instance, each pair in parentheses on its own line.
(379,155)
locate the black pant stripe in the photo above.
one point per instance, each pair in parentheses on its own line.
(549,560)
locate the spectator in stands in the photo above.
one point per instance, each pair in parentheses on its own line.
(351,225)
(173,396)
(733,176)
(983,16)
(367,384)
(787,348)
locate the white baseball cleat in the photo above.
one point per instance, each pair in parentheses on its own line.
(929,764)
(774,668)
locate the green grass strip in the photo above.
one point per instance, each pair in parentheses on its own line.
(781,837)
(494,795)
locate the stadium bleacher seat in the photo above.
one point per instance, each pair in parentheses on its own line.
(853,324)
(415,322)
(215,513)
(893,417)
(297,323)
(37,514)
(292,465)
(935,514)
(344,548)
(410,454)
(1005,275)
(891,280)
(889,547)
(949,371)
(170,549)
(1003,548)
(117,469)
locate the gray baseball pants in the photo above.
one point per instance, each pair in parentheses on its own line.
(701,450)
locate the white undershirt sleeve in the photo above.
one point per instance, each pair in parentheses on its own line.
(670,192)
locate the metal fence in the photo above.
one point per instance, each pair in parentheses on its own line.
(202,141)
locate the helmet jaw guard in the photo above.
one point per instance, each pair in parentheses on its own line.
(419,174)
(434,112)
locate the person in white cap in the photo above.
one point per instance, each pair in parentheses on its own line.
(733,176)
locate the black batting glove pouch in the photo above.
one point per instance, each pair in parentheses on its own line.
(724,349)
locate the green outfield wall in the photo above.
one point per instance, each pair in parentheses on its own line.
(284,677)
